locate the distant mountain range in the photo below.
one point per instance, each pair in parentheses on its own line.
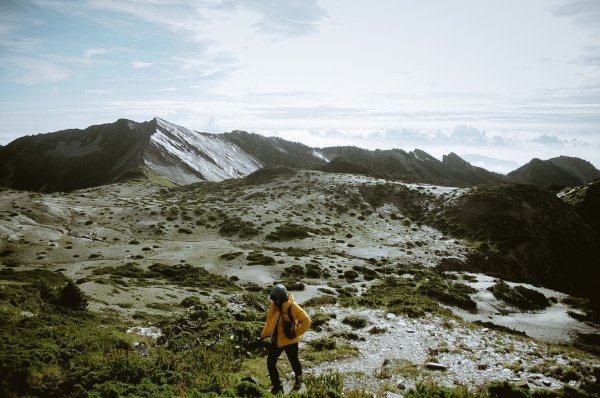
(101,154)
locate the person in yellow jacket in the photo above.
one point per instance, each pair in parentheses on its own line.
(286,323)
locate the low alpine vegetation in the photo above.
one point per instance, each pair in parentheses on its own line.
(416,292)
(520,296)
(289,231)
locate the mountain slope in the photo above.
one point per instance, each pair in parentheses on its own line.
(394,162)
(184,156)
(274,151)
(529,234)
(467,173)
(562,171)
(73,159)
(585,199)
(342,165)
(583,170)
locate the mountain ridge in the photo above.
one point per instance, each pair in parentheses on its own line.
(561,171)
(72,159)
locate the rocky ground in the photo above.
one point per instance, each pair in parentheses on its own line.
(109,226)
(447,352)
(233,229)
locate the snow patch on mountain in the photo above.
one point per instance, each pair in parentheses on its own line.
(280,149)
(186,156)
(319,155)
(436,190)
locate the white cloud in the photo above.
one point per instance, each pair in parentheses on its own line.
(187,17)
(490,163)
(548,140)
(208,67)
(141,64)
(468,135)
(591,56)
(32,71)
(19,44)
(585,13)
(99,91)
(89,53)
(286,17)
(167,89)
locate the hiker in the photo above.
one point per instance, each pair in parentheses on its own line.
(286,322)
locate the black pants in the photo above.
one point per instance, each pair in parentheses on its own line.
(292,353)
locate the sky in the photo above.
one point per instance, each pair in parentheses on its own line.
(498,82)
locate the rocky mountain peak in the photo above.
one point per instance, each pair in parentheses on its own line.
(423,156)
(562,171)
(582,169)
(454,160)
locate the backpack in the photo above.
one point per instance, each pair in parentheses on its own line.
(289,326)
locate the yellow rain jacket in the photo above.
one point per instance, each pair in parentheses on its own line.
(275,318)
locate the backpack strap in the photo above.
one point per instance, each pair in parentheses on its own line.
(289,311)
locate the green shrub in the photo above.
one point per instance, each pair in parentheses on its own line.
(368,273)
(237,226)
(519,296)
(250,390)
(329,385)
(320,300)
(295,270)
(72,297)
(356,322)
(590,307)
(451,293)
(506,390)
(289,231)
(188,275)
(320,319)
(416,296)
(377,330)
(349,336)
(258,258)
(422,390)
(191,301)
(350,274)
(230,256)
(128,270)
(314,270)
(323,343)
(297,252)
(146,388)
(255,301)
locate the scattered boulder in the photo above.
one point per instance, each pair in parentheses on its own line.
(435,366)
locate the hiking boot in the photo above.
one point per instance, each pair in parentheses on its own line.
(298,384)
(277,390)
